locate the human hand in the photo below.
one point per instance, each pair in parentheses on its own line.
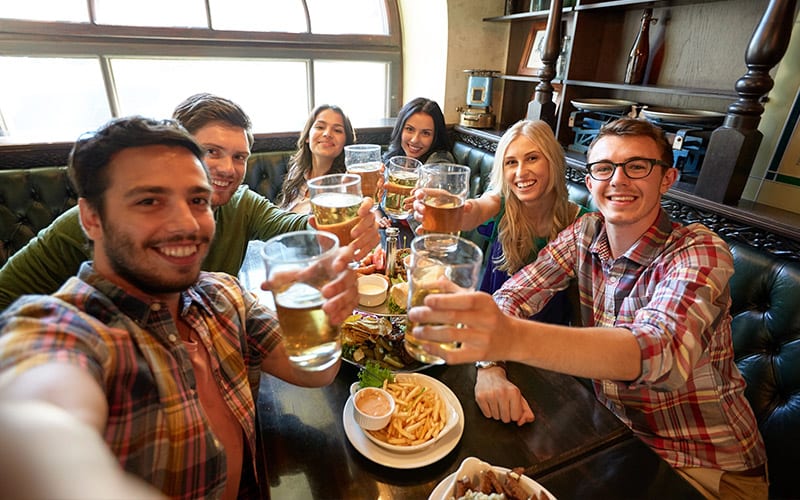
(478,319)
(500,399)
(365,234)
(341,293)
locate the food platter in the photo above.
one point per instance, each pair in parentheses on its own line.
(472,467)
(603,104)
(411,460)
(677,115)
(373,336)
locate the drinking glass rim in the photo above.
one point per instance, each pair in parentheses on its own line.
(470,244)
(362,147)
(446,168)
(327,180)
(279,240)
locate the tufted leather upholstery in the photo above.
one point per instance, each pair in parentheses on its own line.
(266,171)
(29,200)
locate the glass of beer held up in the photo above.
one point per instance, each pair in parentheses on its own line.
(440,263)
(335,199)
(364,160)
(445,187)
(402,173)
(299,264)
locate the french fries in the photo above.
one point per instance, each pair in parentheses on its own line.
(420,415)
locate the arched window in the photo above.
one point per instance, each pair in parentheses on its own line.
(70,65)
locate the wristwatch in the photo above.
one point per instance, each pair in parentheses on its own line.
(489,364)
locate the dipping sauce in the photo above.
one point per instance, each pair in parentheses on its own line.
(372,403)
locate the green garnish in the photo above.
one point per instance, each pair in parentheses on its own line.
(373,375)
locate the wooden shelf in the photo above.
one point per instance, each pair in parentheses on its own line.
(686,91)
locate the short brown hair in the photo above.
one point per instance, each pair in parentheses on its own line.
(633,127)
(198,110)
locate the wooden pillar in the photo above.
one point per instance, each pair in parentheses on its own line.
(542,106)
(733,146)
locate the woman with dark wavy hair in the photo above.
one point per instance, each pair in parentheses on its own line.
(420,132)
(320,151)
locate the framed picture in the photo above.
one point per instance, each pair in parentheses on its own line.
(532,55)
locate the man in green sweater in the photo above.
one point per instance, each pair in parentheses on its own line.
(241,214)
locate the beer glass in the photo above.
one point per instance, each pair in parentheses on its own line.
(365,161)
(445,187)
(440,263)
(401,175)
(335,199)
(300,263)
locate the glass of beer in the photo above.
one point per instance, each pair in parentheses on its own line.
(445,187)
(365,161)
(440,263)
(401,176)
(335,199)
(300,263)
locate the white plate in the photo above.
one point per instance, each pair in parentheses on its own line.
(412,460)
(603,104)
(451,415)
(471,467)
(675,115)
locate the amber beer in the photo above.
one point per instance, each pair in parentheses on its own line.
(370,174)
(336,213)
(299,264)
(399,187)
(440,263)
(443,213)
(307,333)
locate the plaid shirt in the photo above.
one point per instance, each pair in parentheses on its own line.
(156,426)
(671,291)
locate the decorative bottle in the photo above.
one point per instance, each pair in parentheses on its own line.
(640,52)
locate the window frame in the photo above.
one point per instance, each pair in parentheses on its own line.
(66,39)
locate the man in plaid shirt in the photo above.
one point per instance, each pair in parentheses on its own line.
(656,337)
(159,358)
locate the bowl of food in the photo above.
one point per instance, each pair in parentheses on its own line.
(372,290)
(422,416)
(373,408)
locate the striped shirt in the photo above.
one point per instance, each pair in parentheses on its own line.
(156,425)
(670,289)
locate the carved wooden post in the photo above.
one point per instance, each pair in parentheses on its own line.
(542,106)
(733,146)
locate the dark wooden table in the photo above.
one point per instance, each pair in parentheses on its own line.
(576,448)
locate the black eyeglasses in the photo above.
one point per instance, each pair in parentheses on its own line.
(635,168)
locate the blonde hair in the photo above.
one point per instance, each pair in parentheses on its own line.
(516,232)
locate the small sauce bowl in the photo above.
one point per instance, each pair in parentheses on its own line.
(372,290)
(373,408)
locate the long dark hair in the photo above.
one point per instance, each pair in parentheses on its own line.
(300,163)
(419,105)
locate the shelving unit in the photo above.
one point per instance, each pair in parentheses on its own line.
(700,44)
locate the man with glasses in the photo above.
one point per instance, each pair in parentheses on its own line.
(655,304)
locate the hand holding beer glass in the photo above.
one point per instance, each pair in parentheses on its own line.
(335,200)
(440,263)
(402,175)
(364,160)
(445,187)
(298,265)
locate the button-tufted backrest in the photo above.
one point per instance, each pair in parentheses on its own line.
(266,171)
(29,200)
(480,164)
(766,338)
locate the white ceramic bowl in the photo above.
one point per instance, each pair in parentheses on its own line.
(373,408)
(372,290)
(450,412)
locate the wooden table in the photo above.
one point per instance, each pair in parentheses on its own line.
(576,448)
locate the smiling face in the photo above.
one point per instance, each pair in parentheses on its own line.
(227,150)
(327,136)
(418,132)
(526,171)
(630,206)
(157,222)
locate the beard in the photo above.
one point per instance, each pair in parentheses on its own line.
(129,261)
